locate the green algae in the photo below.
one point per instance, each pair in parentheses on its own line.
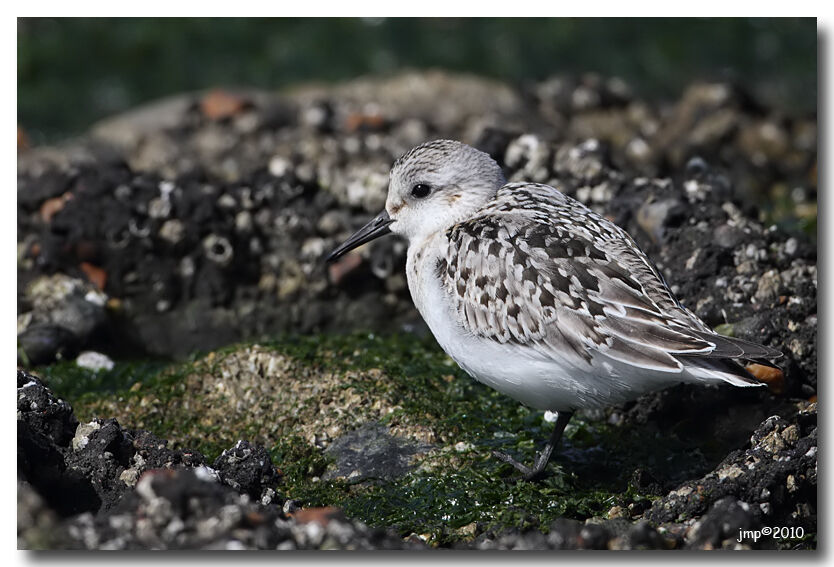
(452,492)
(71,381)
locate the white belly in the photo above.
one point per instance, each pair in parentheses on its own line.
(540,382)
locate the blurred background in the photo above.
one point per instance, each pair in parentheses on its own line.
(197,171)
(72,72)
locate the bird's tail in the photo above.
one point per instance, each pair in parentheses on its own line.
(723,363)
(730,371)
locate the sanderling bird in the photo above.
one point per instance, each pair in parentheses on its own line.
(535,295)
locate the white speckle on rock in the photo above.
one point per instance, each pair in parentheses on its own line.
(731,472)
(690,262)
(166,187)
(234,545)
(94,361)
(695,191)
(82,434)
(96,298)
(172,230)
(159,207)
(206,474)
(243,221)
(227,201)
(352,145)
(791,246)
(583,194)
(267,497)
(278,166)
(129,476)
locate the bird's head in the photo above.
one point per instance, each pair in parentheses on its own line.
(431,187)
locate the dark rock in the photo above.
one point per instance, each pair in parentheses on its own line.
(696,167)
(248,469)
(644,481)
(58,315)
(101,457)
(656,216)
(776,475)
(753,328)
(82,467)
(721,527)
(45,426)
(42,412)
(727,236)
(593,536)
(642,535)
(494,142)
(571,534)
(155,453)
(32,192)
(370,452)
(38,526)
(564,534)
(189,509)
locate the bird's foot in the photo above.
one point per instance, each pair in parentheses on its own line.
(527,473)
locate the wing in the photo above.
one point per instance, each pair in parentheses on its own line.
(539,269)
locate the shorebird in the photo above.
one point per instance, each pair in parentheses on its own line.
(535,295)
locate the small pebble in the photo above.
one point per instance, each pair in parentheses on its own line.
(94,361)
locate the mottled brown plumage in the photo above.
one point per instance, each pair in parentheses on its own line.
(539,269)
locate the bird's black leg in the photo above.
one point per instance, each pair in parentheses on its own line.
(537,470)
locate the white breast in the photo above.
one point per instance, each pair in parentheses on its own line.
(517,371)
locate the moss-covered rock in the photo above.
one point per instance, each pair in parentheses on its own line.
(303,397)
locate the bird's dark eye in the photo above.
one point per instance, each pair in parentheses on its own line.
(420,190)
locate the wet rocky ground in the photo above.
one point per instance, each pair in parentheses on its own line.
(177,231)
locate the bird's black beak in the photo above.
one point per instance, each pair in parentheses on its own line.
(374,229)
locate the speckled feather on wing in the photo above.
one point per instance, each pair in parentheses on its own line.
(537,268)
